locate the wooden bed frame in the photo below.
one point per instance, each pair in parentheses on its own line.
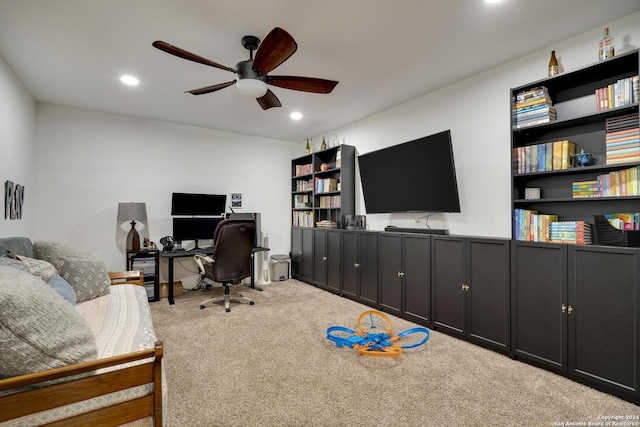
(28,400)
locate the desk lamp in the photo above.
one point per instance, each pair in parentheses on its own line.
(132,212)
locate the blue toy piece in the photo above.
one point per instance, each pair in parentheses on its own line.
(381,344)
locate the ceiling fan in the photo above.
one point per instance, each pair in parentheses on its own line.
(252,75)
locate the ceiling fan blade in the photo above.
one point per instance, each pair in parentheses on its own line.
(210,89)
(304,84)
(269,100)
(181,53)
(276,48)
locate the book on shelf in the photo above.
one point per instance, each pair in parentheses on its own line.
(574,232)
(536,92)
(545,99)
(535,122)
(302,219)
(326,223)
(618,94)
(568,151)
(303,169)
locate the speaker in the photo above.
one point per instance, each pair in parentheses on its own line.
(355,222)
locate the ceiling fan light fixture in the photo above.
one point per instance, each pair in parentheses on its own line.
(252,87)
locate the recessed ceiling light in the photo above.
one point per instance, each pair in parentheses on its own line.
(492,1)
(296,115)
(129,80)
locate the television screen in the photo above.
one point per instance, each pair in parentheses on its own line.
(416,176)
(194,228)
(198,204)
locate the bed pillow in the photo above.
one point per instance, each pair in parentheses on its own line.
(63,288)
(88,278)
(38,329)
(9,260)
(55,253)
(38,267)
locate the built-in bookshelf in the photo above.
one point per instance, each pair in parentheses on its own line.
(583,109)
(323,187)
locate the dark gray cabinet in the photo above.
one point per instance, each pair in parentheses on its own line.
(326,259)
(470,280)
(360,266)
(302,254)
(405,276)
(539,303)
(603,313)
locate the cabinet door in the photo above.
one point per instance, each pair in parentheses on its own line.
(333,262)
(416,252)
(296,253)
(320,258)
(368,260)
(448,278)
(538,293)
(307,255)
(604,326)
(390,260)
(349,264)
(488,272)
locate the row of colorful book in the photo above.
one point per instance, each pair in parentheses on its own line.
(618,94)
(327,185)
(543,157)
(529,225)
(303,169)
(533,107)
(620,183)
(622,138)
(302,219)
(301,201)
(624,221)
(304,185)
(330,201)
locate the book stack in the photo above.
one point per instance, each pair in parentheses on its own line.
(330,201)
(574,232)
(302,201)
(304,185)
(533,107)
(304,169)
(326,223)
(620,183)
(622,92)
(326,185)
(585,189)
(622,139)
(548,156)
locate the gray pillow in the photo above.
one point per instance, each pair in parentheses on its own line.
(43,269)
(63,288)
(55,253)
(38,329)
(88,278)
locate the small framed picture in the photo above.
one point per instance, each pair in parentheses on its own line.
(236,200)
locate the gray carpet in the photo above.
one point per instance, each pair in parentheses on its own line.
(270,364)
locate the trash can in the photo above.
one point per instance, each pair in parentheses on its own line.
(279,267)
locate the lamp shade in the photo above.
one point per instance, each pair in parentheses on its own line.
(132,212)
(252,87)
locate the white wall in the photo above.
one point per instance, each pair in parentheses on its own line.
(477,111)
(17,150)
(89,161)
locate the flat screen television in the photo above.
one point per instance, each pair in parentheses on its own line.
(416,176)
(198,204)
(194,228)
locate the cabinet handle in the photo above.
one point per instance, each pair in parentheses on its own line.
(400,274)
(570,309)
(564,308)
(324,258)
(465,287)
(356,265)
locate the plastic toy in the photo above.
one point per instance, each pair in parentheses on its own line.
(374,337)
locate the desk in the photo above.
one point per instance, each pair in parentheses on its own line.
(170,256)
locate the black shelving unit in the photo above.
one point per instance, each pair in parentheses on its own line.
(573,96)
(148,261)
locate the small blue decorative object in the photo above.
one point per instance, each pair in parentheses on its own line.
(584,159)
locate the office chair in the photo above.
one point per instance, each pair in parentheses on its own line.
(231,259)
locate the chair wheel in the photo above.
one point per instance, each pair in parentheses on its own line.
(201,307)
(227,310)
(251,302)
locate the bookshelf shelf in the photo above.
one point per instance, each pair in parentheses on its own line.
(576,114)
(329,188)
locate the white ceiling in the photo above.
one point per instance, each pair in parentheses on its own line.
(383,52)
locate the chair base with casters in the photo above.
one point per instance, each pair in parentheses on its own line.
(227,296)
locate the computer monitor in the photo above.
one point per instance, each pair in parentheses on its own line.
(194,228)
